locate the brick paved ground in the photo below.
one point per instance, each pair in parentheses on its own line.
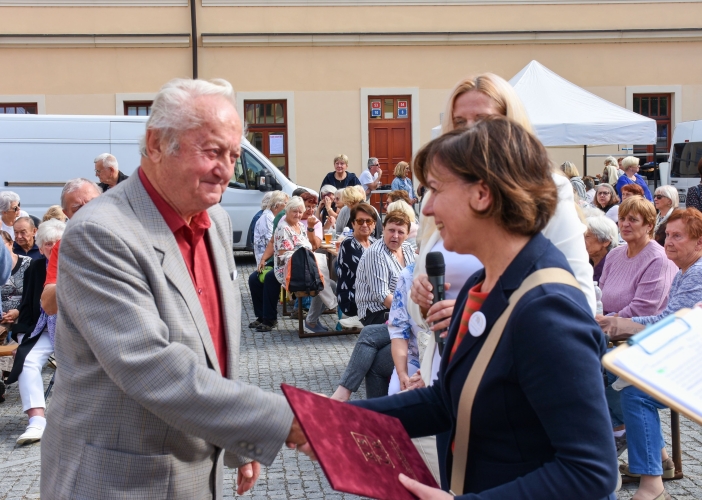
(268,360)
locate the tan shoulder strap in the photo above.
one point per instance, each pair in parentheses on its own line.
(470,387)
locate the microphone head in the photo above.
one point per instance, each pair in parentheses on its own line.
(435,264)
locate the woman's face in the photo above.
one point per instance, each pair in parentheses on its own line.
(340,167)
(604,197)
(662,203)
(363,225)
(294,216)
(394,235)
(593,245)
(9,216)
(679,247)
(450,205)
(471,106)
(626,194)
(337,201)
(632,227)
(45,249)
(8,245)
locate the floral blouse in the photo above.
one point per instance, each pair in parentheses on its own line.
(400,323)
(12,290)
(287,239)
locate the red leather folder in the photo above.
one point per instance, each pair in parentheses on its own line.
(360,451)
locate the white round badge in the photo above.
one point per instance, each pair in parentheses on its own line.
(476,324)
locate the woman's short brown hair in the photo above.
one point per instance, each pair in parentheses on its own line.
(364,207)
(634,189)
(511,162)
(692,220)
(640,206)
(399,194)
(399,218)
(400,169)
(6,237)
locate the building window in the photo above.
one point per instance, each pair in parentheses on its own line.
(267,130)
(656,107)
(137,108)
(18,108)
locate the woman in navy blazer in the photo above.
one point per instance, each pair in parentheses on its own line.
(539,426)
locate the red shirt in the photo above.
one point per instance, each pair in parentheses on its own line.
(52,268)
(198,259)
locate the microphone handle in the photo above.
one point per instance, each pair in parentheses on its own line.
(437,283)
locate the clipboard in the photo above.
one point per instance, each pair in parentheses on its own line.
(654,361)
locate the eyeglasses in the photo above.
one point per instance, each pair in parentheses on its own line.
(14,209)
(97,172)
(363,222)
(659,196)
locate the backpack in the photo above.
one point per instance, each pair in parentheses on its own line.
(302,273)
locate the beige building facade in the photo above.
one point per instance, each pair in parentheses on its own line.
(361,78)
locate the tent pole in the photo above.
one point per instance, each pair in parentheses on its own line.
(584,160)
(655,167)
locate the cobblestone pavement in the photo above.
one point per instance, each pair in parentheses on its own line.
(267,360)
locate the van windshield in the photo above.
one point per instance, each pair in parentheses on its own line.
(686,155)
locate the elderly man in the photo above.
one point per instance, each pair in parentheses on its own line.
(107,170)
(370,178)
(75,194)
(25,231)
(147,398)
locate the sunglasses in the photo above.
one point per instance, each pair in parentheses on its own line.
(659,196)
(363,222)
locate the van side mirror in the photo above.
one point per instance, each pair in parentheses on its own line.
(268,182)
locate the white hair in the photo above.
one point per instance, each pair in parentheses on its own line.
(107,160)
(671,193)
(277,199)
(327,188)
(266,200)
(50,232)
(173,113)
(611,160)
(295,202)
(73,185)
(604,229)
(6,200)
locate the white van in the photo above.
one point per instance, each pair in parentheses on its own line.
(686,151)
(39,153)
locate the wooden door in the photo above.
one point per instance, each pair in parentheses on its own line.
(389,135)
(267,130)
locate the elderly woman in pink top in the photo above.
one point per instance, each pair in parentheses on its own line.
(637,276)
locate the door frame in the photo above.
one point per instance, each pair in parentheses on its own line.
(289,96)
(366,92)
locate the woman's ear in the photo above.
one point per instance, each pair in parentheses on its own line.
(481,198)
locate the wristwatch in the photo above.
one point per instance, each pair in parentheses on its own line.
(310,229)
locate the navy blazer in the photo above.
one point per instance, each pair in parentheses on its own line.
(540,427)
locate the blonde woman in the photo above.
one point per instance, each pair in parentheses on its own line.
(402,181)
(54,212)
(488,94)
(571,172)
(351,197)
(340,178)
(630,165)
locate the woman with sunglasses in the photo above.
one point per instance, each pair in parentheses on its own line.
(350,252)
(10,210)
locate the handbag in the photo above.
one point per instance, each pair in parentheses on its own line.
(475,375)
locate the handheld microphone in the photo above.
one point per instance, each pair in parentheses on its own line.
(436,270)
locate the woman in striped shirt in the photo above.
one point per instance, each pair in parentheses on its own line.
(380,267)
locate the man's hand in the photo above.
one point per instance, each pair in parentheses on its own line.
(297,440)
(247,477)
(422,491)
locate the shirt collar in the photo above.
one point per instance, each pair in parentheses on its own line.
(174,221)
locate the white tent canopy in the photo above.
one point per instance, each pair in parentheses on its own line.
(563,114)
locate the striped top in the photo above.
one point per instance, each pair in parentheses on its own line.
(377,275)
(473,304)
(637,286)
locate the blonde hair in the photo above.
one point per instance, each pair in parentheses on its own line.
(612,173)
(352,195)
(629,161)
(402,206)
(495,87)
(342,158)
(54,212)
(611,160)
(400,169)
(569,169)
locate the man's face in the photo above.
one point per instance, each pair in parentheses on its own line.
(194,178)
(375,169)
(24,234)
(102,172)
(76,199)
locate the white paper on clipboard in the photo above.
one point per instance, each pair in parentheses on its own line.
(670,360)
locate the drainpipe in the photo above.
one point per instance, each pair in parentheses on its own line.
(193,22)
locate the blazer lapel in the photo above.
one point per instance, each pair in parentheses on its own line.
(174,267)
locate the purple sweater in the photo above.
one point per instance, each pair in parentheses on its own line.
(638,286)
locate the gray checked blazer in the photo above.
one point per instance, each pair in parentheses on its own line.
(140,408)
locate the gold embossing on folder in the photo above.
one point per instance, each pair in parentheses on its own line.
(372,449)
(405,464)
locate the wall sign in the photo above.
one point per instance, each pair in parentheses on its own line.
(402,112)
(375,112)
